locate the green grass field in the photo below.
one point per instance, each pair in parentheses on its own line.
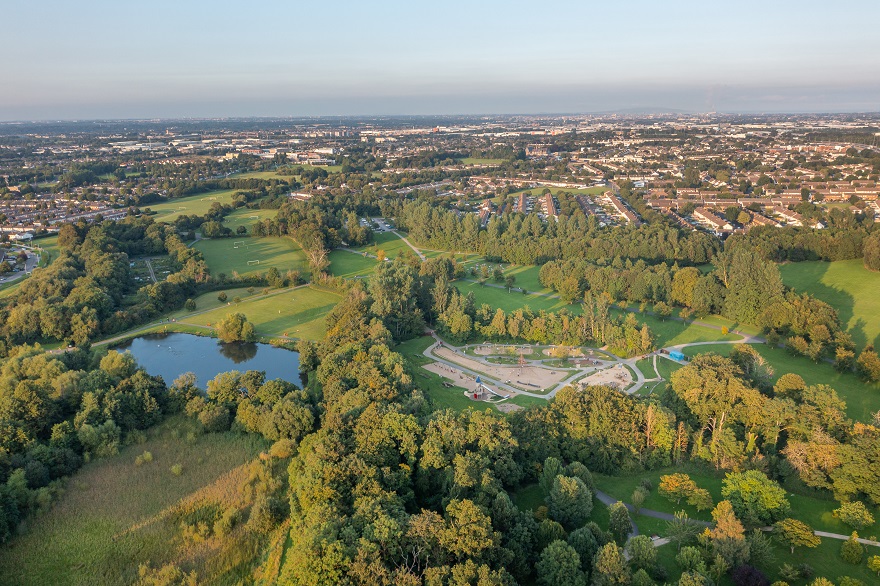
(225,255)
(247,217)
(198,205)
(862,399)
(110,517)
(49,244)
(846,285)
(349,265)
(295,313)
(387,242)
(527,277)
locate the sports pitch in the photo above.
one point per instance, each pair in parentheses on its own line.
(248,256)
(198,205)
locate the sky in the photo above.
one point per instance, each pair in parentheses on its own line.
(191,58)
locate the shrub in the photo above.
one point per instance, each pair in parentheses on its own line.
(222,297)
(190,305)
(148,456)
(851,550)
(747,575)
(177,469)
(854,514)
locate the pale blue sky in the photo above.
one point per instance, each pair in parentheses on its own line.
(159,58)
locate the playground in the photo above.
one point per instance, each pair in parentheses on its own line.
(526,377)
(616,376)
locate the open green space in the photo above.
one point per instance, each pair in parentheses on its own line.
(646,365)
(10,289)
(846,285)
(247,217)
(389,243)
(248,256)
(527,277)
(198,205)
(862,399)
(207,301)
(622,488)
(294,313)
(49,244)
(350,265)
(825,560)
(111,517)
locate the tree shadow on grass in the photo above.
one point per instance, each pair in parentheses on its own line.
(806,277)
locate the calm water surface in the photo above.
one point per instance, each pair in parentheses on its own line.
(171,355)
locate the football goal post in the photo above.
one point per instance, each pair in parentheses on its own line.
(237,244)
(253,262)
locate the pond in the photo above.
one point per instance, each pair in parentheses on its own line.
(171,355)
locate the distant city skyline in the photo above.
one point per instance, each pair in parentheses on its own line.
(167,59)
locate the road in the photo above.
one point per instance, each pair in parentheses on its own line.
(30,264)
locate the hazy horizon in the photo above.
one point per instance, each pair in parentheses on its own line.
(208,60)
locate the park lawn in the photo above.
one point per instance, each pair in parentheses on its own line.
(198,205)
(527,277)
(228,255)
(499,297)
(526,401)
(825,560)
(388,242)
(862,399)
(208,301)
(350,265)
(848,287)
(109,519)
(294,313)
(247,217)
(49,244)
(818,513)
(622,488)
(646,366)
(717,320)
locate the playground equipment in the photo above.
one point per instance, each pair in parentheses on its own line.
(482,389)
